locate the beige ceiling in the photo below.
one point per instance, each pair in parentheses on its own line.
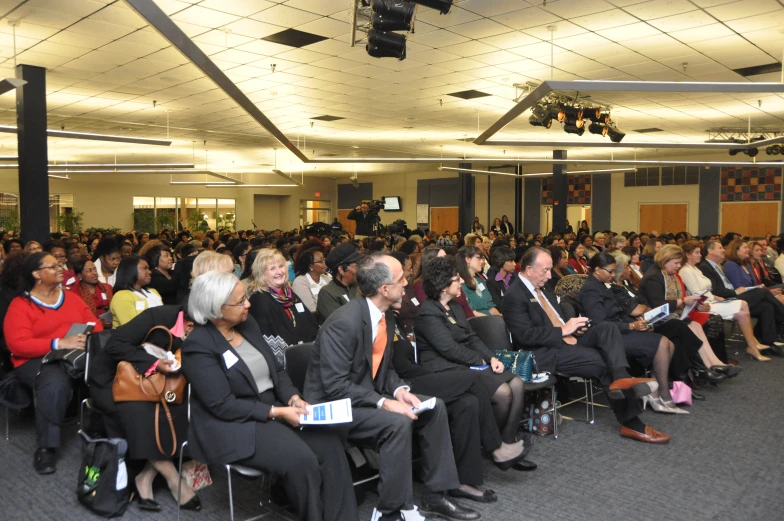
(106,67)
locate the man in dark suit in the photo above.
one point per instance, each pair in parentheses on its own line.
(364,218)
(762,304)
(534,318)
(352,358)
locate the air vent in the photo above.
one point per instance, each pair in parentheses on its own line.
(469,94)
(327,155)
(758,69)
(466,140)
(294,38)
(327,118)
(648,130)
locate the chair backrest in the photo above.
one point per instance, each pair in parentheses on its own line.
(491,330)
(95,343)
(570,284)
(297,359)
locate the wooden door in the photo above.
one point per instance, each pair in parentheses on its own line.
(348,224)
(444,219)
(750,219)
(664,218)
(587,218)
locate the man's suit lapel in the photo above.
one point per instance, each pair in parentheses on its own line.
(367,331)
(534,304)
(223,345)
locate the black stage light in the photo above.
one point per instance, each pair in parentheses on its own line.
(386,45)
(546,123)
(773,150)
(574,126)
(391,15)
(541,116)
(734,151)
(751,152)
(439,5)
(573,112)
(616,136)
(597,116)
(598,129)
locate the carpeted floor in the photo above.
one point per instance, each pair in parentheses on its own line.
(724,463)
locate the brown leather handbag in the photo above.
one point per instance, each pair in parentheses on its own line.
(159,388)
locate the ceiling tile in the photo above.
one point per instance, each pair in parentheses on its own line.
(525,18)
(438,39)
(761,21)
(684,21)
(570,8)
(286,16)
(468,49)
(604,20)
(324,7)
(629,32)
(479,29)
(250,28)
(456,16)
(237,7)
(659,8)
(204,17)
(488,9)
(744,9)
(325,27)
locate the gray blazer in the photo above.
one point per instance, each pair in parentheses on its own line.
(341,364)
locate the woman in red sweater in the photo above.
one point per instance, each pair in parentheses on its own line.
(36,323)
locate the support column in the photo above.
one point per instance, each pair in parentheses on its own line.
(518,209)
(532,205)
(560,192)
(33,153)
(466,202)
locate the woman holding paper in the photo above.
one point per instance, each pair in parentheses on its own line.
(245,410)
(698,284)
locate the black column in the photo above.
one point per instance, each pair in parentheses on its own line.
(560,192)
(518,209)
(33,155)
(466,203)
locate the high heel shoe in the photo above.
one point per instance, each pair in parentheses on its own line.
(762,347)
(193,504)
(728,370)
(659,405)
(754,353)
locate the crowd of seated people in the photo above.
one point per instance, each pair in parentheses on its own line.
(390,320)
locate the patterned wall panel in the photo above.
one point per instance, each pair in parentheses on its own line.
(750,184)
(579,190)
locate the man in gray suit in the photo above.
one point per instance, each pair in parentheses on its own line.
(352,358)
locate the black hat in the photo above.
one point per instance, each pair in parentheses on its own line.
(343,255)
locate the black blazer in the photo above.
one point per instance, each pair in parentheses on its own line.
(507,228)
(527,321)
(276,326)
(600,305)
(653,289)
(166,288)
(404,359)
(717,285)
(445,344)
(341,364)
(497,288)
(225,403)
(364,222)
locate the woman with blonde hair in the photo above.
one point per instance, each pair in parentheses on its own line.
(283,318)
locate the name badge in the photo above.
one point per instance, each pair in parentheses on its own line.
(140,305)
(230,359)
(346,297)
(103,296)
(480,287)
(534,300)
(395,339)
(414,301)
(70,281)
(300,307)
(452,320)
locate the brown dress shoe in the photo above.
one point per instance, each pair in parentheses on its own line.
(622,384)
(649,436)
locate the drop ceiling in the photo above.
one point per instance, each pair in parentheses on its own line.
(108,72)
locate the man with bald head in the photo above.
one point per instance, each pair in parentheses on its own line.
(352,358)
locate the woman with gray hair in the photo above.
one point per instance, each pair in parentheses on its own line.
(246,411)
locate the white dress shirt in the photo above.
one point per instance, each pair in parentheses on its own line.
(542,304)
(375,318)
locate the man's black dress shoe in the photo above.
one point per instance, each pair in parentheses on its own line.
(149,505)
(709,375)
(44,461)
(525,465)
(728,370)
(775,350)
(442,507)
(697,396)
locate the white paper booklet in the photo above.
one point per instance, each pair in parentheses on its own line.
(328,413)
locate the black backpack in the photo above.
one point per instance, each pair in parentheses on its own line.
(103,478)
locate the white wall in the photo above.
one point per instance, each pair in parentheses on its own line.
(625,214)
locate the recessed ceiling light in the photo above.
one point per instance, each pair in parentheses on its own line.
(410,118)
(327,118)
(294,38)
(354,146)
(648,130)
(758,69)
(469,94)
(408,128)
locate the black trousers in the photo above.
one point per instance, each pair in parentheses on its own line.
(313,467)
(52,390)
(472,423)
(390,434)
(767,310)
(598,354)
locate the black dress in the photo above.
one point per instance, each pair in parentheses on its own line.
(135,421)
(278,327)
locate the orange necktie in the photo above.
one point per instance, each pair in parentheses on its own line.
(555,319)
(380,344)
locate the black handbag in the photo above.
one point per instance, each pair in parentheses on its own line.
(73,361)
(102,485)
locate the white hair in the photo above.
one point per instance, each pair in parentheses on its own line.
(209,293)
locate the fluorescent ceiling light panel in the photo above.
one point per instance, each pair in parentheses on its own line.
(288,177)
(96,137)
(215,185)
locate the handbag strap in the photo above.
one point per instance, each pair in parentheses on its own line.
(171,428)
(163,328)
(157,393)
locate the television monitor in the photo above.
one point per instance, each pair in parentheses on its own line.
(392,203)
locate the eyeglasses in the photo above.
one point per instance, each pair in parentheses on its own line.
(456,279)
(608,271)
(51,267)
(239,304)
(319,262)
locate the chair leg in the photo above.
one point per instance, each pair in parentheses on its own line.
(586,383)
(231,497)
(590,389)
(179,482)
(7,424)
(555,412)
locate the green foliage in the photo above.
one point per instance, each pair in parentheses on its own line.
(69,222)
(144,220)
(104,231)
(224,221)
(9,221)
(165,220)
